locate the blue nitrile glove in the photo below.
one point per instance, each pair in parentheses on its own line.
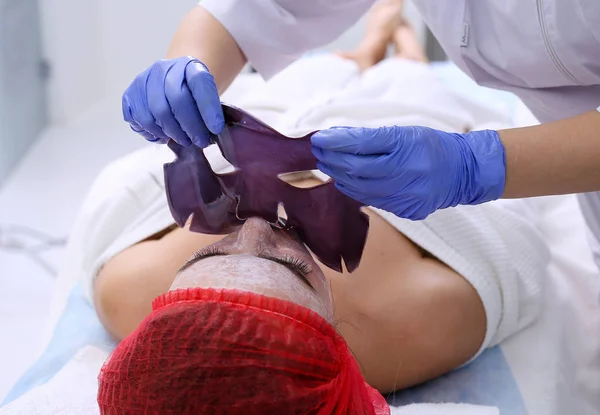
(174,99)
(412,171)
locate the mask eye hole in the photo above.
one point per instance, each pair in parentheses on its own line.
(217,161)
(306,179)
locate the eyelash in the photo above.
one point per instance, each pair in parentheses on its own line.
(299,265)
(209,251)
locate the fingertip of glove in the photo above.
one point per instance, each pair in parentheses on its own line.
(316,137)
(218,123)
(203,140)
(320,138)
(148,136)
(336,138)
(135,129)
(317,151)
(193,60)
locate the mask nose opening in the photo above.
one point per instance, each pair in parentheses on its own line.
(282,217)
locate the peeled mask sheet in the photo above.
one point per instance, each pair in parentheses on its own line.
(327,221)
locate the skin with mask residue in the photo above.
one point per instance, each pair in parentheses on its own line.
(263,260)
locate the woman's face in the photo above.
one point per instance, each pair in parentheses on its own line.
(263,260)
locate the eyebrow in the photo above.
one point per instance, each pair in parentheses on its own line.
(268,258)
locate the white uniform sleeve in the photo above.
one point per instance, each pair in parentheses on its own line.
(274,33)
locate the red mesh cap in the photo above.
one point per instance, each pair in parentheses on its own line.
(215,351)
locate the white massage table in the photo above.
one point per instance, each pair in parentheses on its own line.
(43,194)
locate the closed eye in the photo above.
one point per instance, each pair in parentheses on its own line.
(297,266)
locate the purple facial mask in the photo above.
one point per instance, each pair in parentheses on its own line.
(327,221)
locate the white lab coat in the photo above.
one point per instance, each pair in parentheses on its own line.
(545,51)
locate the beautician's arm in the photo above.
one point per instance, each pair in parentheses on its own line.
(177,99)
(202,36)
(555,158)
(412,171)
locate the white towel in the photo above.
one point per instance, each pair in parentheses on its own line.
(73,392)
(445,409)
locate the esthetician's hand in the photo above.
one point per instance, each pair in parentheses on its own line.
(174,99)
(412,171)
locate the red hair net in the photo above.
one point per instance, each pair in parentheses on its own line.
(221,351)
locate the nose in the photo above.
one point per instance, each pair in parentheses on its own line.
(255,236)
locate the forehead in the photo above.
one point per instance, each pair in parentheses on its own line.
(248,273)
(239,270)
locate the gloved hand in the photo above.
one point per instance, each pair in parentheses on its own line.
(174,99)
(412,171)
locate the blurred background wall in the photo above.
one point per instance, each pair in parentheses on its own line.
(22,81)
(96,47)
